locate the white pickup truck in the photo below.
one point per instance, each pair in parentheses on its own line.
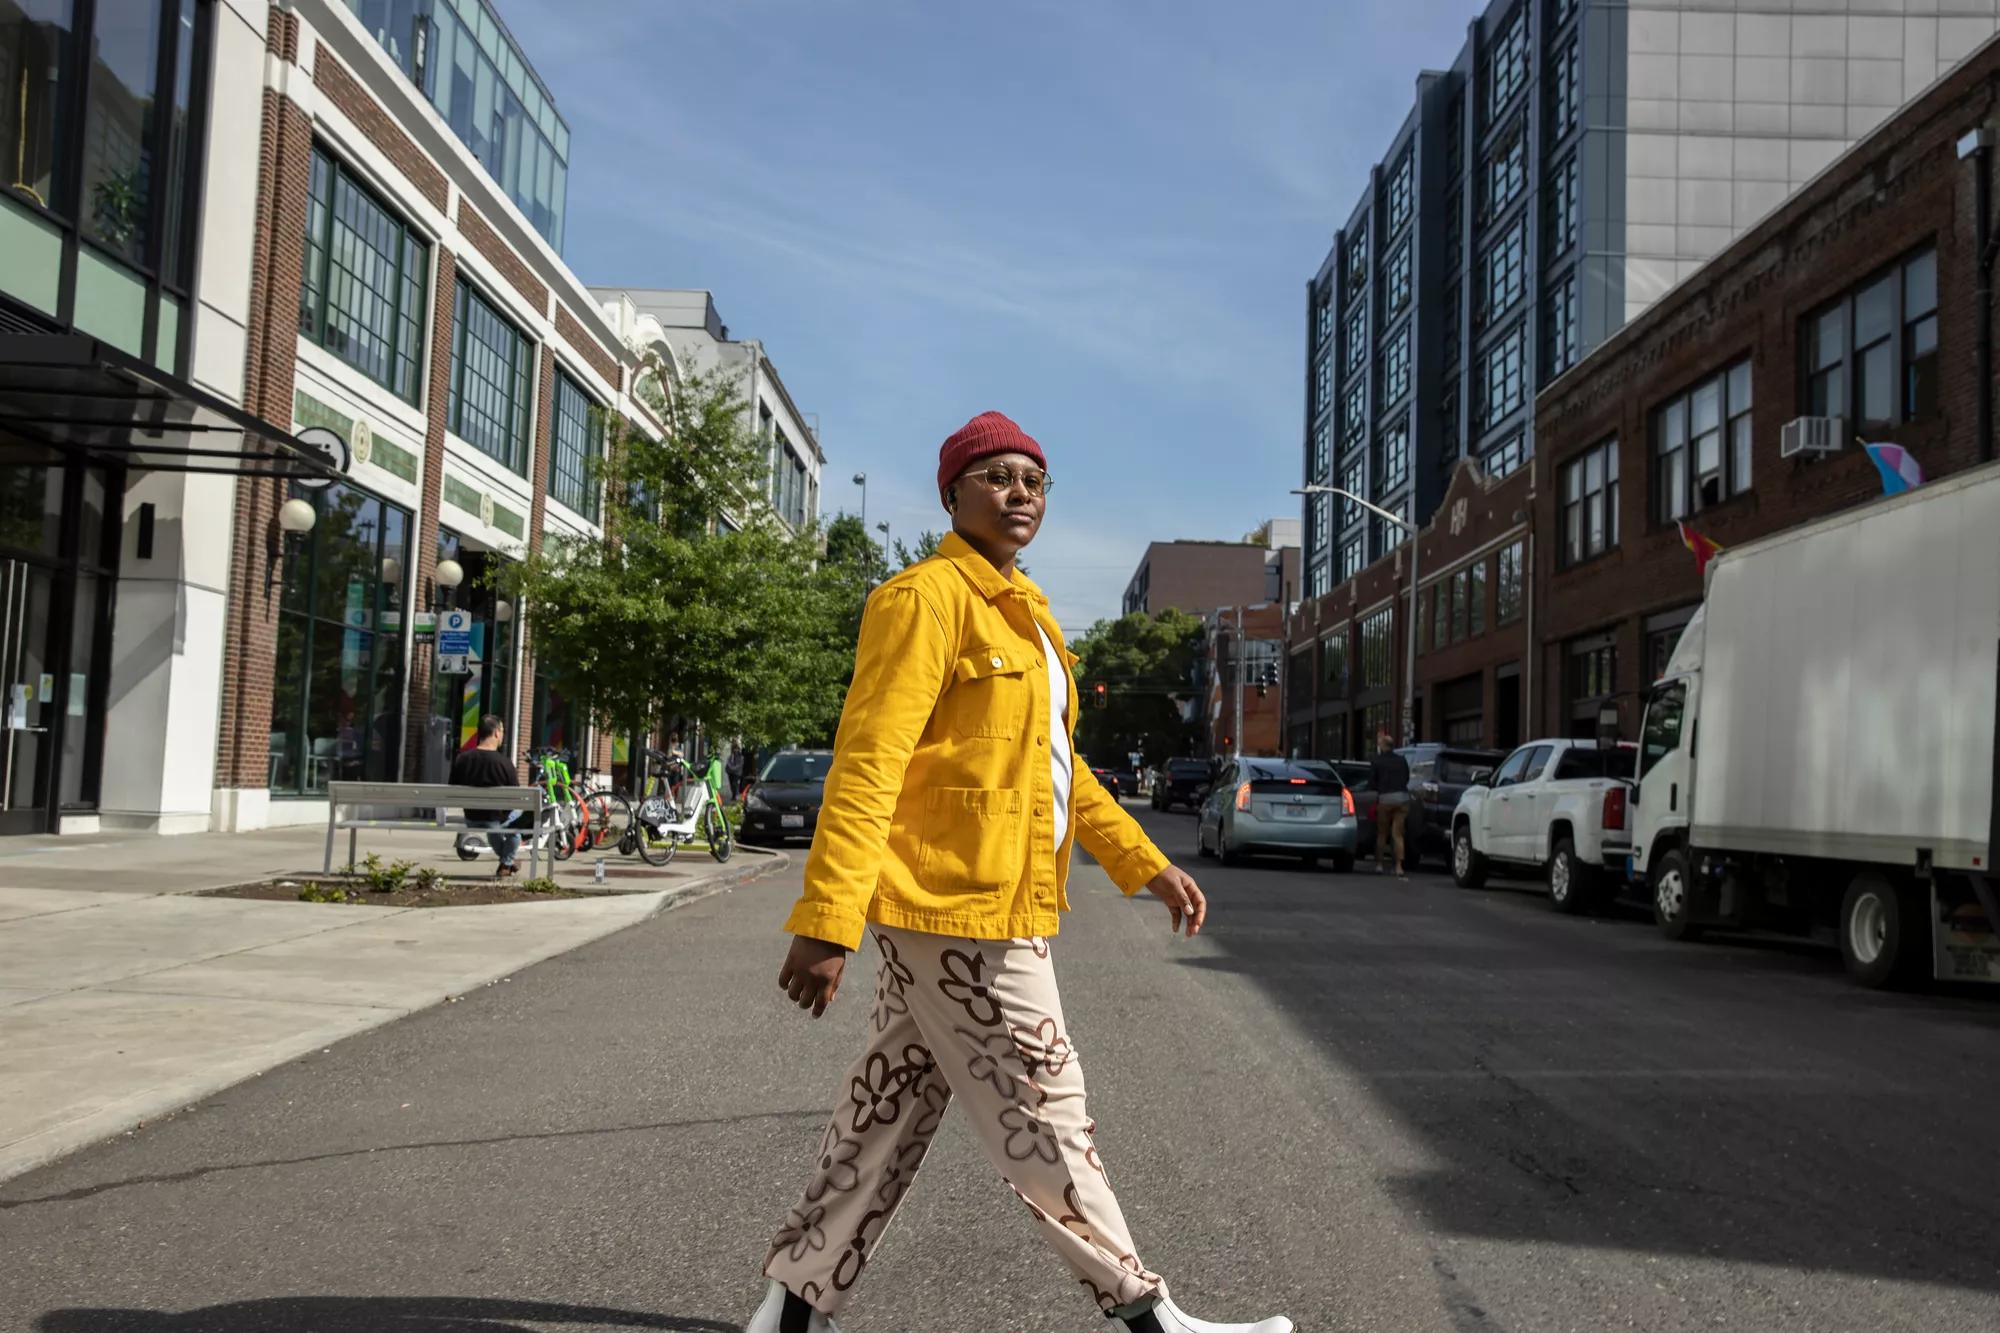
(1558,806)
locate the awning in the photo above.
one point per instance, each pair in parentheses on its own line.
(76,394)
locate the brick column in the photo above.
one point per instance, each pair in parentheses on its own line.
(277,264)
(424,526)
(538,477)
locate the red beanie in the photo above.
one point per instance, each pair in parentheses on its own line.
(986,434)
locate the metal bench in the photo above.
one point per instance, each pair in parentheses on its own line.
(353,806)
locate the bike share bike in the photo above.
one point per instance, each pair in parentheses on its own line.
(676,808)
(578,817)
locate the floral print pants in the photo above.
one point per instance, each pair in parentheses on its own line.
(980,1020)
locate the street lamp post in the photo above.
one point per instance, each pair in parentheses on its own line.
(861,480)
(1410,659)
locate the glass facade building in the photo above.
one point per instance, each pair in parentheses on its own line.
(465,61)
(1576,160)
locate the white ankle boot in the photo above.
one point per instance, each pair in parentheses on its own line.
(770,1315)
(1166,1317)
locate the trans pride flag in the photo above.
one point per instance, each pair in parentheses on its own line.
(1900,471)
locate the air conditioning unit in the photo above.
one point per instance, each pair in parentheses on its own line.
(1812,436)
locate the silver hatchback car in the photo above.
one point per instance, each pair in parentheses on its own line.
(1278,808)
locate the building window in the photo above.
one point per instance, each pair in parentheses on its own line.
(1396,367)
(1475,587)
(1559,322)
(1506,271)
(1562,206)
(1590,503)
(490,382)
(1320,458)
(1510,585)
(1319,581)
(1506,172)
(576,444)
(1503,377)
(1401,191)
(1322,385)
(1454,137)
(1322,318)
(1333,665)
(1454,227)
(1454,324)
(1355,355)
(1503,460)
(1663,635)
(1352,482)
(1561,12)
(1701,445)
(365,277)
(1357,263)
(337,688)
(1322,522)
(1352,559)
(1591,676)
(1375,651)
(1871,356)
(1396,283)
(1395,459)
(1375,719)
(1507,62)
(1354,413)
(483,87)
(1388,535)
(1563,94)
(1440,615)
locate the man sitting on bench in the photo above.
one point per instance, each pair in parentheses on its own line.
(484,766)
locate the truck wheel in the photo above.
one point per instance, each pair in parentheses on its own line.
(1884,940)
(1468,867)
(1670,897)
(1569,880)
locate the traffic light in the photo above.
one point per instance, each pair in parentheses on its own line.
(1267,676)
(1098,695)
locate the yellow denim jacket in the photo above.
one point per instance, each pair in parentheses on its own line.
(938,814)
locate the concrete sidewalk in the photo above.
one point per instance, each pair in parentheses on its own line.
(124,995)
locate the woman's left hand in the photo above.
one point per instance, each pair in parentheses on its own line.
(1177,889)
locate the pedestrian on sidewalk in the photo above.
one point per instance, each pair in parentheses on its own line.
(1390,776)
(951,807)
(484,766)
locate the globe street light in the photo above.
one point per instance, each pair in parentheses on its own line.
(1410,666)
(861,480)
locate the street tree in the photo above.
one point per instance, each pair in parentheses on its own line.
(1145,662)
(699,602)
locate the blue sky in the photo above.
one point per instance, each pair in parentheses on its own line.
(1098,218)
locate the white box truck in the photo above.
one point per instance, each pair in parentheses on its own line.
(1819,757)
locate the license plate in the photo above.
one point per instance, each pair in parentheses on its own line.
(1296,811)
(791,821)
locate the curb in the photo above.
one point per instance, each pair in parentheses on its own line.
(178,1095)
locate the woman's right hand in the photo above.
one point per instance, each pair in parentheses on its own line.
(811,974)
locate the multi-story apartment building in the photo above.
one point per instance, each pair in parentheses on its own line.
(1561,588)
(1576,160)
(680,330)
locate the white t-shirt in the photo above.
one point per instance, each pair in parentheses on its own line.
(1060,761)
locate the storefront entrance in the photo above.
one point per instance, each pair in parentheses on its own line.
(53,575)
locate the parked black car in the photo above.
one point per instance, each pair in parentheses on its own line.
(1439,775)
(1120,782)
(1181,782)
(786,799)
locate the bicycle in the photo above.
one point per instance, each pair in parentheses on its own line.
(607,814)
(675,809)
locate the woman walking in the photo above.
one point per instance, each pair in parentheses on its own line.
(951,808)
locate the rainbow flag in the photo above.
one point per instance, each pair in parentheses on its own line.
(1900,470)
(1704,549)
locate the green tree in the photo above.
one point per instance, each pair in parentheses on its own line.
(927,544)
(700,602)
(1144,662)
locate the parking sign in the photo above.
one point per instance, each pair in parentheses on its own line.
(454,642)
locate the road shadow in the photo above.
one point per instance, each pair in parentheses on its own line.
(370,1314)
(1583,1082)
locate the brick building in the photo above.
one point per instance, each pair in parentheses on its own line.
(1242,642)
(1857,299)
(1199,576)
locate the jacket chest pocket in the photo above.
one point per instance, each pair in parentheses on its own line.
(989,695)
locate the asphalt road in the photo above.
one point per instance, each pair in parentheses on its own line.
(1377,1106)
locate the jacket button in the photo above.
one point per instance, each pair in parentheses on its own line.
(1040,663)
(1041,740)
(998,662)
